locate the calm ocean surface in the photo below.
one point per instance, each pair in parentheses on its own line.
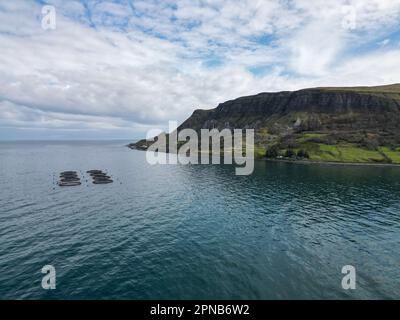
(193,232)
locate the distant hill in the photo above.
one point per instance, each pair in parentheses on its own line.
(343,124)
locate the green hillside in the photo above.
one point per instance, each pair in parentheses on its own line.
(335,124)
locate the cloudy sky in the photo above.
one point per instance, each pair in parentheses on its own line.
(115,69)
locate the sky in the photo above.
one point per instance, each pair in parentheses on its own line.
(116,69)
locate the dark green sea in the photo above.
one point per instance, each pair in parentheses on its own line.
(193,232)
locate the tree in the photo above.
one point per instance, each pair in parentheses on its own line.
(272,152)
(303,154)
(290,153)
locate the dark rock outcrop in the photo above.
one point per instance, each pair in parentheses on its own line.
(324,108)
(348,114)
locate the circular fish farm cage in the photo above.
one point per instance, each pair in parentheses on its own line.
(94,171)
(100,177)
(68,172)
(69,179)
(106,181)
(68,176)
(72,179)
(69,183)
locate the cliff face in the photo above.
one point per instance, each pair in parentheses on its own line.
(354,124)
(321,108)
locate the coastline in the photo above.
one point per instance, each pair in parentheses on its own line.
(310,162)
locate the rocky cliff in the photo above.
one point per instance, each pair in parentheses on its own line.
(310,109)
(323,122)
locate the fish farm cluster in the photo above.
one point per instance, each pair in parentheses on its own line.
(100,177)
(72,179)
(69,179)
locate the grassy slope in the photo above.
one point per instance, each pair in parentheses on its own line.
(346,152)
(392,88)
(389,91)
(342,152)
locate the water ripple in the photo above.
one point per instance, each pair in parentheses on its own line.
(193,232)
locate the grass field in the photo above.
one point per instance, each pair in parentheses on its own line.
(394,155)
(342,152)
(351,153)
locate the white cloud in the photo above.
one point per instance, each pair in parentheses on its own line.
(125,66)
